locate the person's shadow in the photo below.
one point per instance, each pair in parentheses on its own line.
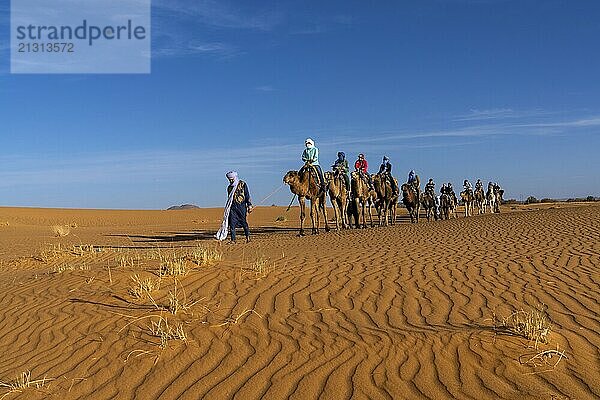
(172,237)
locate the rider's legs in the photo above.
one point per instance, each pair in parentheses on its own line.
(346,181)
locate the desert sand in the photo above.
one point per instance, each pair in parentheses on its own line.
(401,312)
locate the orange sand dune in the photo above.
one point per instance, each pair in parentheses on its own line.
(396,312)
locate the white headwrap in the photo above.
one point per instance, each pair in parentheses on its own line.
(233,175)
(223,230)
(309,142)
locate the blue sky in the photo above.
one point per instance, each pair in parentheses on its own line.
(497,90)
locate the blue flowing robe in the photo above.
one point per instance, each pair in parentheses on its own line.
(239,208)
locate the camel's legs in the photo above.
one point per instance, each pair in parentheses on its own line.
(342,207)
(312,216)
(364,218)
(323,205)
(336,213)
(302,214)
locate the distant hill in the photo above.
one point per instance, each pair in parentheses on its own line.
(183,207)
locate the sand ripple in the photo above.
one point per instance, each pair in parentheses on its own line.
(383,313)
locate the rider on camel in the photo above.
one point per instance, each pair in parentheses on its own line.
(310,156)
(430,187)
(467,186)
(478,185)
(341,167)
(412,177)
(450,191)
(413,181)
(361,165)
(385,170)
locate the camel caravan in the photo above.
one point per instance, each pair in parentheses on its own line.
(355,195)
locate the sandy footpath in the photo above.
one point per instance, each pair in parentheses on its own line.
(145,305)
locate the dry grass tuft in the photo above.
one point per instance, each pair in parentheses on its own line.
(84,249)
(165,332)
(61,230)
(547,358)
(235,319)
(259,269)
(141,288)
(177,304)
(533,325)
(281,218)
(21,383)
(175,267)
(68,267)
(206,256)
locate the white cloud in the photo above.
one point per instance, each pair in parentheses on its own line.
(579,123)
(219,14)
(499,113)
(177,27)
(177,47)
(265,88)
(138,165)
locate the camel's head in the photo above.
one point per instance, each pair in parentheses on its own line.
(404,188)
(354,175)
(290,176)
(328,175)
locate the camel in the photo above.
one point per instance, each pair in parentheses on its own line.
(362,197)
(453,204)
(386,199)
(468,199)
(352,214)
(428,203)
(394,204)
(304,185)
(445,206)
(490,197)
(480,200)
(410,198)
(498,193)
(338,195)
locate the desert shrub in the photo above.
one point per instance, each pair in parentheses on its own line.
(531,200)
(61,230)
(511,201)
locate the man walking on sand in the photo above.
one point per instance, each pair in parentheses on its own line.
(237,208)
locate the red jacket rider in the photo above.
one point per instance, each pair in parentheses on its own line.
(361,164)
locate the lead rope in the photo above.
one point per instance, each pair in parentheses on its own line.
(290,205)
